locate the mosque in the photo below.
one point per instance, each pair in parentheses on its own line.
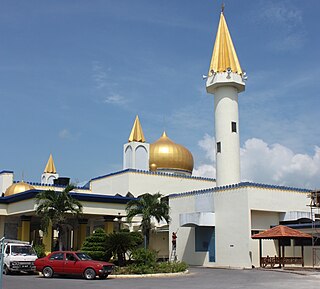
(214,218)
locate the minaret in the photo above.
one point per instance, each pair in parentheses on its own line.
(50,172)
(225,80)
(136,151)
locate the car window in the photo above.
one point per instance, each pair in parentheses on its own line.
(70,257)
(8,250)
(56,256)
(83,256)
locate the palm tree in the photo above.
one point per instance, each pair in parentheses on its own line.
(122,243)
(54,207)
(148,206)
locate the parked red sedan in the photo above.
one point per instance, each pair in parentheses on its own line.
(69,263)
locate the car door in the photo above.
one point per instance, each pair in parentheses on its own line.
(56,262)
(72,264)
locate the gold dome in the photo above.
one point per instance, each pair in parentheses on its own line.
(165,154)
(18,188)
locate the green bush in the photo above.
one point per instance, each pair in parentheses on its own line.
(171,267)
(95,246)
(40,250)
(163,267)
(143,256)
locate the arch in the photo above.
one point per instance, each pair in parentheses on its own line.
(128,157)
(141,156)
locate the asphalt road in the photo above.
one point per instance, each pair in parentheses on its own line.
(202,278)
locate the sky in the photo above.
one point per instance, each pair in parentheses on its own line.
(74,74)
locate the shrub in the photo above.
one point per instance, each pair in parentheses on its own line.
(40,250)
(143,256)
(95,245)
(163,267)
(171,267)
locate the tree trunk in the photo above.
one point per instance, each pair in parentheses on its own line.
(147,238)
(60,235)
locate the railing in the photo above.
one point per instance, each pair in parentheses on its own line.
(272,261)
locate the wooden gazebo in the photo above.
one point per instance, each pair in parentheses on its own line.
(280,233)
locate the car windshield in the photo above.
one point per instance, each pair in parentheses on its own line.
(23,250)
(83,256)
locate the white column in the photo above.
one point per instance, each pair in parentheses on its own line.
(227,135)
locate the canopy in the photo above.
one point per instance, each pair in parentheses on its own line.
(281,232)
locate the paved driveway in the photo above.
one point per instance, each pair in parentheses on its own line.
(202,278)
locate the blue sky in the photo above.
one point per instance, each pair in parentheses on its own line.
(74,74)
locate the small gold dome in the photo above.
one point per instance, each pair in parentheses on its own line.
(18,188)
(165,154)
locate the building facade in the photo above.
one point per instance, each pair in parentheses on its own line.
(214,219)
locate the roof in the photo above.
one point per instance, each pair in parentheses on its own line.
(136,132)
(281,232)
(50,168)
(79,196)
(224,54)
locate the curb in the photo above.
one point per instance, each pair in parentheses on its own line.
(302,273)
(148,275)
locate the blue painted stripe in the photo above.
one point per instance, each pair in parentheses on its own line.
(240,185)
(79,196)
(152,173)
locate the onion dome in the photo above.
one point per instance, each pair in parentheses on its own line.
(18,188)
(165,155)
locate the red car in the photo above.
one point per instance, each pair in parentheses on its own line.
(72,263)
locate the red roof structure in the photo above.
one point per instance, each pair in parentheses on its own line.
(281,232)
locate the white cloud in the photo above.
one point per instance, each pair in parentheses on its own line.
(65,134)
(270,164)
(100,75)
(105,84)
(115,99)
(280,13)
(286,22)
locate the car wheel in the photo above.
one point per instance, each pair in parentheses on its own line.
(6,270)
(47,272)
(89,274)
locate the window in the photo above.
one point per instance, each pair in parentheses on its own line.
(218,147)
(56,256)
(70,257)
(233,126)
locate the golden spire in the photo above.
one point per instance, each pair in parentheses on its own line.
(224,55)
(50,168)
(136,132)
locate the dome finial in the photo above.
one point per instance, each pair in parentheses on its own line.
(50,167)
(136,132)
(222,7)
(224,56)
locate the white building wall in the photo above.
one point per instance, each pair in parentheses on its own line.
(6,180)
(139,182)
(267,205)
(237,212)
(186,235)
(232,228)
(261,221)
(136,156)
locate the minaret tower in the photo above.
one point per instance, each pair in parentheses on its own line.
(136,151)
(225,80)
(50,172)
